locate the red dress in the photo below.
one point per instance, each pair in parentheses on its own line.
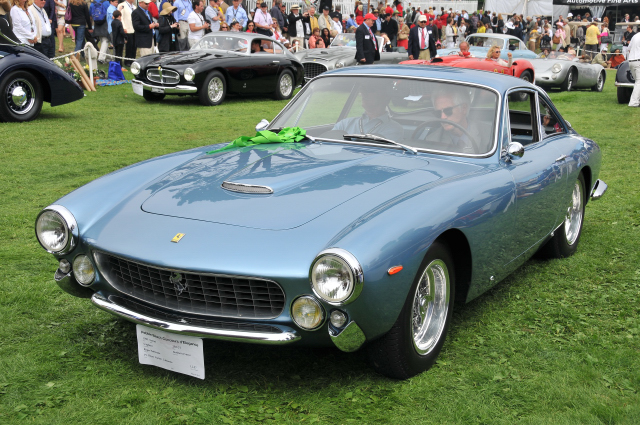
(359,17)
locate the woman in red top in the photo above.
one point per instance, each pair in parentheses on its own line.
(399,7)
(359,13)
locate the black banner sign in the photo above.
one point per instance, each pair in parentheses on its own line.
(595,2)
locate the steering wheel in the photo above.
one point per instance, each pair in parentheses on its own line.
(420,128)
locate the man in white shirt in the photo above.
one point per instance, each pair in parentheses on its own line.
(127,8)
(45,40)
(196,22)
(634,67)
(263,21)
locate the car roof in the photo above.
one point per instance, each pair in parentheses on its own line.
(494,35)
(499,82)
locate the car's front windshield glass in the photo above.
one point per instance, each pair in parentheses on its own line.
(485,41)
(431,115)
(344,40)
(224,42)
(562,56)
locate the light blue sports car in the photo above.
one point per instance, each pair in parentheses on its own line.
(479,46)
(411,188)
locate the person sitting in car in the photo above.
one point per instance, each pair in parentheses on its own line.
(464,50)
(494,55)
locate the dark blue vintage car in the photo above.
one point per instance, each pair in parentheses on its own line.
(624,82)
(27,79)
(416,187)
(220,63)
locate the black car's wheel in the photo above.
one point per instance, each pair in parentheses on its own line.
(21,97)
(600,83)
(569,81)
(565,239)
(285,86)
(415,340)
(152,97)
(213,90)
(523,96)
(624,95)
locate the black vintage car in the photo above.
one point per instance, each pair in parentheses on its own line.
(221,63)
(28,78)
(624,82)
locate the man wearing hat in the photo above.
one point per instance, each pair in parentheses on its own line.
(591,39)
(299,25)
(600,58)
(367,49)
(145,28)
(324,21)
(422,43)
(325,3)
(377,22)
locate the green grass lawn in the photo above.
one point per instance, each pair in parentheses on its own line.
(557,342)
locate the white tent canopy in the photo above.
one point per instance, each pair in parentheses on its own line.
(526,7)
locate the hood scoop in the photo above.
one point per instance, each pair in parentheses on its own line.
(247,188)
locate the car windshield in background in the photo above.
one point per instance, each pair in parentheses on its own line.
(344,40)
(225,42)
(484,41)
(558,56)
(430,115)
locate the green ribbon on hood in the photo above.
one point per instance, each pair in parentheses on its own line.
(286,135)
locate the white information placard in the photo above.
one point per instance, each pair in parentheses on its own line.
(179,353)
(137,88)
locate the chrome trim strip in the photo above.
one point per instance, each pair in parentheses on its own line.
(617,84)
(167,90)
(350,339)
(457,83)
(286,337)
(68,284)
(599,188)
(98,264)
(240,187)
(356,272)
(72,226)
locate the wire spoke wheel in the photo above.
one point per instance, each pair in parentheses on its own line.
(430,306)
(215,89)
(573,219)
(286,85)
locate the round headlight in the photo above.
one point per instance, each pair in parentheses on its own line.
(556,68)
(339,64)
(135,68)
(189,74)
(307,313)
(336,276)
(56,229)
(83,270)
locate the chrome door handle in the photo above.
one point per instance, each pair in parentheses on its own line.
(562,158)
(275,61)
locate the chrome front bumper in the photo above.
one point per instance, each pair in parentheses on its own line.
(599,188)
(285,337)
(629,85)
(166,90)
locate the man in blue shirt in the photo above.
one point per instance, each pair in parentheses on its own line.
(184,9)
(237,13)
(377,22)
(113,6)
(351,22)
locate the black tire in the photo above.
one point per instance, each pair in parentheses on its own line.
(396,354)
(564,242)
(152,97)
(624,95)
(213,89)
(22,97)
(599,85)
(523,96)
(570,80)
(285,85)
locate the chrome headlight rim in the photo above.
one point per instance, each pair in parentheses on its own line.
(72,229)
(189,74)
(313,299)
(357,275)
(556,68)
(339,65)
(135,68)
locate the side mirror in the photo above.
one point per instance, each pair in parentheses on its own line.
(569,124)
(262,125)
(515,149)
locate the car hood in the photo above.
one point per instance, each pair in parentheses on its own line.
(187,58)
(306,182)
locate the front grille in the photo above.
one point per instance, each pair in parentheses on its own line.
(205,323)
(165,76)
(194,293)
(312,69)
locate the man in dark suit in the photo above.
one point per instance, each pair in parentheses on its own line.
(366,44)
(422,44)
(390,27)
(144,28)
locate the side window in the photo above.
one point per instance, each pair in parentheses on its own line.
(521,111)
(549,123)
(514,44)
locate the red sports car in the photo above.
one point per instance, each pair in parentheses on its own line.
(520,68)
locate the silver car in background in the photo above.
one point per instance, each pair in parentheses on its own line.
(341,53)
(567,72)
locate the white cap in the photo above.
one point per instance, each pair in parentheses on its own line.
(569,15)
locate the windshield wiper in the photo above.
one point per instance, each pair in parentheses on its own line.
(379,139)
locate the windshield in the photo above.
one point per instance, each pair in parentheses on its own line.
(563,56)
(485,41)
(225,42)
(434,116)
(349,40)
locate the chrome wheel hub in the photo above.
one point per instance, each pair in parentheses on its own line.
(573,219)
(20,96)
(570,82)
(215,89)
(286,85)
(600,81)
(430,307)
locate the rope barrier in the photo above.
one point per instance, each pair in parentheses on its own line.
(90,53)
